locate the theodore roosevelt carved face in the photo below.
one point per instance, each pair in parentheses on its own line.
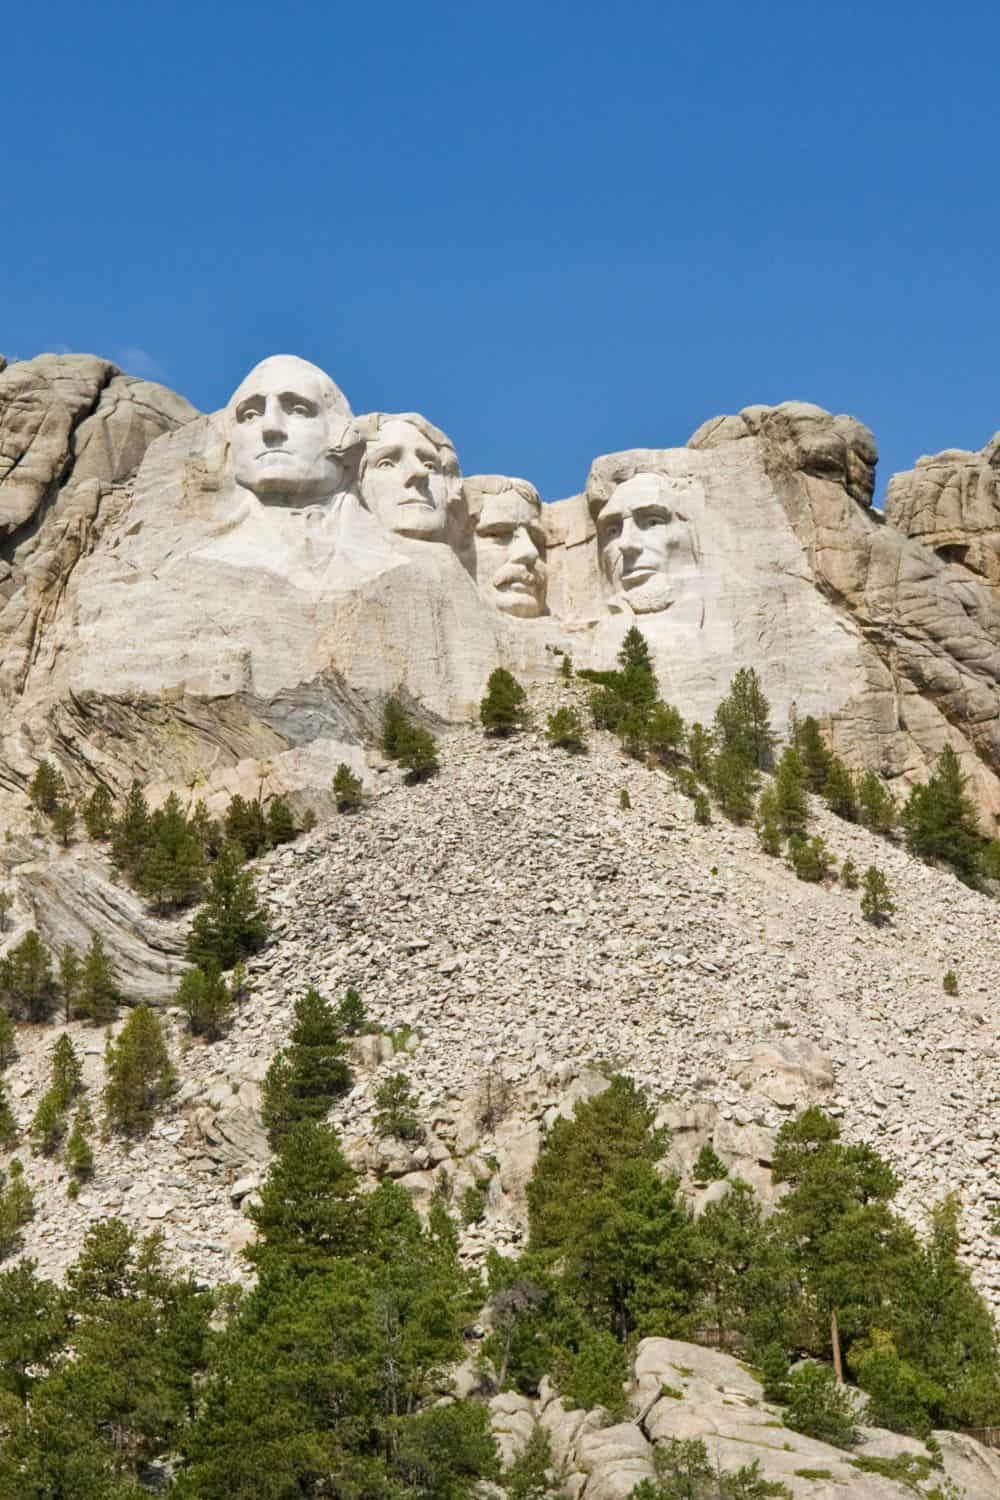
(409,476)
(285,424)
(508,542)
(643,539)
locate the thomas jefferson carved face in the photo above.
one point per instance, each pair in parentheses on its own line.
(510,547)
(642,539)
(282,432)
(407,480)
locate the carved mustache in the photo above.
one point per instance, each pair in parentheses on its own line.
(518,573)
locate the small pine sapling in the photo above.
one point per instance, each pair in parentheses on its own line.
(348,791)
(877,905)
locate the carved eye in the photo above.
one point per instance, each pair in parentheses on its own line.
(386,463)
(651,518)
(611,529)
(248,414)
(301,410)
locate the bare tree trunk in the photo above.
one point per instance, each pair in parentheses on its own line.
(838,1368)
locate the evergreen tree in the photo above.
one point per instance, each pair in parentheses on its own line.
(351,1015)
(246,825)
(348,791)
(849,875)
(17,1208)
(566,667)
(877,904)
(700,749)
(46,788)
(98,813)
(734,782)
(97,994)
(280,823)
(810,858)
(63,822)
(419,753)
(791,809)
(232,924)
(396,1109)
(504,707)
(205,999)
(27,984)
(632,729)
(8,1124)
(395,723)
(839,791)
(6,903)
(308,1074)
(308,1213)
(66,1071)
(79,1156)
(48,1125)
(69,979)
(742,721)
(8,1040)
(171,869)
(130,833)
(876,806)
(207,830)
(34,1328)
(702,810)
(139,1073)
(637,674)
(564,729)
(767,825)
(813,753)
(664,732)
(940,819)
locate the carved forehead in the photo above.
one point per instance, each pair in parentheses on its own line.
(382,429)
(640,490)
(510,507)
(286,372)
(484,491)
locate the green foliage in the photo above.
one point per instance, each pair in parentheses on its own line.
(66,1071)
(207,1001)
(876,806)
(139,1073)
(444,1450)
(940,819)
(46,788)
(48,1125)
(810,858)
(8,1124)
(839,791)
(352,1017)
(8,1041)
(700,749)
(404,741)
(813,753)
(900,1396)
(877,904)
(395,1109)
(950,983)
(532,1475)
(849,875)
(664,732)
(280,823)
(684,1472)
(308,1215)
(69,979)
(171,867)
(17,1208)
(911,1470)
(130,833)
(989,864)
(6,902)
(473,1205)
(98,813)
(564,729)
(820,1408)
(232,924)
(702,809)
(34,1327)
(791,811)
(768,828)
(97,993)
(708,1167)
(624,800)
(566,667)
(734,782)
(348,791)
(742,722)
(28,986)
(504,707)
(79,1156)
(245,824)
(64,822)
(732,1260)
(311,1071)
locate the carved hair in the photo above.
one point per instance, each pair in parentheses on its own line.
(606,474)
(368,428)
(478,486)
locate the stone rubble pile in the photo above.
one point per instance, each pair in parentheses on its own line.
(514,934)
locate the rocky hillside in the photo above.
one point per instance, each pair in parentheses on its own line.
(514,934)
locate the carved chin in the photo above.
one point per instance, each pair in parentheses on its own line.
(654,593)
(524,606)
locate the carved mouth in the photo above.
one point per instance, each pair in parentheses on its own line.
(639,575)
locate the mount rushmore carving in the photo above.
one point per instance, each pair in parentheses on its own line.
(185,593)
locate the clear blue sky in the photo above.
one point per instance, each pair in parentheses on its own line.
(557,229)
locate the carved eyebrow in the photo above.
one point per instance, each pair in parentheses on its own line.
(250,402)
(292,398)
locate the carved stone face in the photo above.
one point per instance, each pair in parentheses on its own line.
(642,540)
(280,439)
(510,547)
(404,482)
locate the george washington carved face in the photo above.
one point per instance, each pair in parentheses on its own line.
(284,422)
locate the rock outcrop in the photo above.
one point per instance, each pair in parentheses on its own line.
(951,503)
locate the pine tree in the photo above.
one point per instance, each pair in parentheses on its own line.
(876,901)
(504,707)
(348,790)
(632,729)
(637,677)
(702,809)
(231,924)
(206,829)
(8,1041)
(27,983)
(79,1155)
(17,1207)
(171,869)
(839,791)
(419,753)
(205,999)
(767,825)
(246,826)
(876,805)
(351,1015)
(734,782)
(791,810)
(564,729)
(308,1215)
(742,721)
(813,753)
(139,1073)
(395,723)
(311,1071)
(46,789)
(664,732)
(98,813)
(8,1125)
(48,1125)
(940,819)
(395,1109)
(566,667)
(63,822)
(280,823)
(849,875)
(69,979)
(700,749)
(66,1071)
(6,903)
(810,858)
(130,833)
(98,995)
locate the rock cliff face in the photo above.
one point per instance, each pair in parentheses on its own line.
(951,503)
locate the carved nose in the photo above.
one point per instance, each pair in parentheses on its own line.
(416,479)
(523,548)
(274,425)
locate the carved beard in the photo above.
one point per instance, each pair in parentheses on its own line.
(645,598)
